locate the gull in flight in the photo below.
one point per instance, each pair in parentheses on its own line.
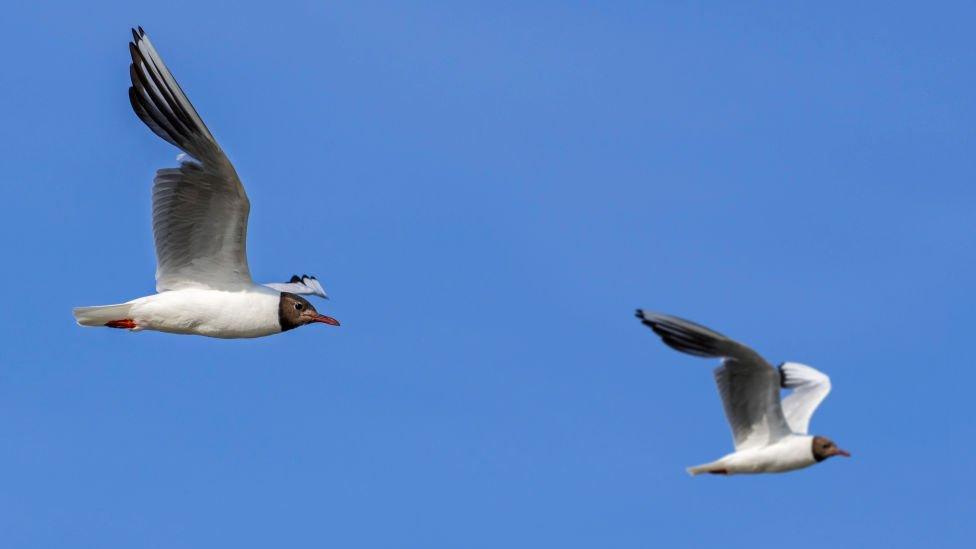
(770,434)
(199,223)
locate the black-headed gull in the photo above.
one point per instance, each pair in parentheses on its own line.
(770,435)
(200,227)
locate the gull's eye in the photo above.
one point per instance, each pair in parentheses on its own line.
(299,306)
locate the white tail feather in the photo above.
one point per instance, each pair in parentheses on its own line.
(705,468)
(99,315)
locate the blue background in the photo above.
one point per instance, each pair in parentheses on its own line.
(488,190)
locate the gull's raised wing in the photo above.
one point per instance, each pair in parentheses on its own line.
(301,285)
(749,386)
(200,209)
(810,387)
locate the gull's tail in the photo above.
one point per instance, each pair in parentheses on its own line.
(713,468)
(113,316)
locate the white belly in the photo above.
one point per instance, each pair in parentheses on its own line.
(791,453)
(213,313)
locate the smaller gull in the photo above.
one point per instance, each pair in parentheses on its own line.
(770,434)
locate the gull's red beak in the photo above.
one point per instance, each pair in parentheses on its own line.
(325,320)
(844,453)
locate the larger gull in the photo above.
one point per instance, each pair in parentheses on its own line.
(199,222)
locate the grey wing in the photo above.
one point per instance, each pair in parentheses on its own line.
(300,285)
(200,209)
(750,396)
(809,388)
(748,385)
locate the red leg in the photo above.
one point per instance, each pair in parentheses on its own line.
(125,323)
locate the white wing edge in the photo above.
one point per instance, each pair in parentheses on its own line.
(809,387)
(300,285)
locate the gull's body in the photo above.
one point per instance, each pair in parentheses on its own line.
(770,433)
(792,452)
(216,313)
(200,213)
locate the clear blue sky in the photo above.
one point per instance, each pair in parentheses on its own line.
(488,190)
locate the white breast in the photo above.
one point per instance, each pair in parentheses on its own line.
(790,453)
(214,313)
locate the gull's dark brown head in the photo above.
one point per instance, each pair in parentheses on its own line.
(295,311)
(824,448)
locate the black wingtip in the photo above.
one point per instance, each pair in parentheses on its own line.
(639,313)
(294,278)
(134,100)
(141,32)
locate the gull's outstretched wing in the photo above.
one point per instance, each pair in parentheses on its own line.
(748,385)
(301,285)
(199,209)
(809,386)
